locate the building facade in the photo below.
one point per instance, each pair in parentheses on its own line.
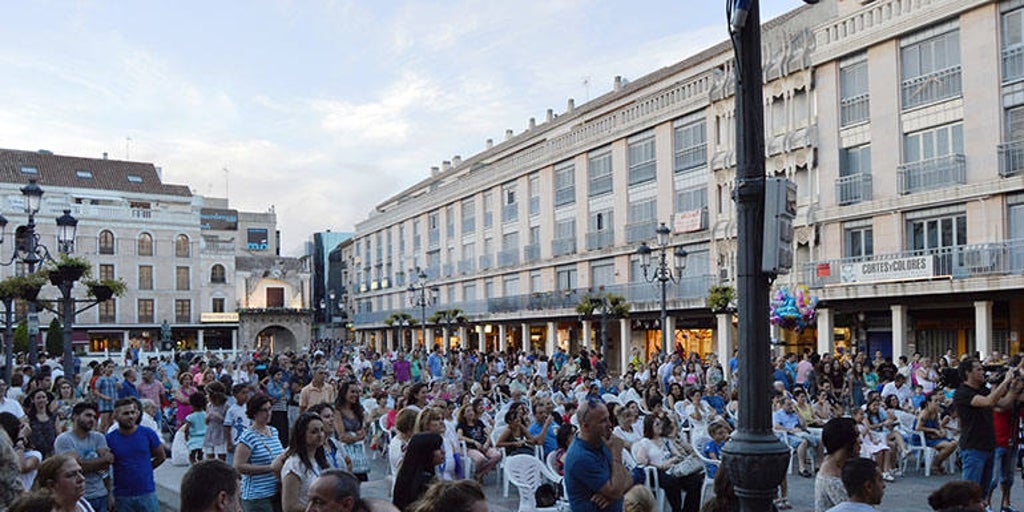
(898,120)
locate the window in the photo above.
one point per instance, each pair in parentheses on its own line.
(778,115)
(257,239)
(859,242)
(509,194)
(1014,118)
(565,184)
(108,311)
(106,271)
(145,311)
(691,199)
(27,169)
(469,292)
(691,146)
(510,285)
(145,244)
(510,241)
(535,281)
(936,233)
(933,143)
(1013,45)
(217,305)
(602,274)
(931,69)
(85,175)
(145,277)
(534,186)
(449,220)
(217,274)
(566,278)
(182,311)
(489,288)
(854,106)
(275,297)
(642,167)
(488,209)
(645,210)
(565,229)
(601,221)
(468,215)
(855,160)
(182,278)
(106,242)
(599,167)
(134,179)
(510,208)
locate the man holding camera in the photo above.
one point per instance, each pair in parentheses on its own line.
(974,403)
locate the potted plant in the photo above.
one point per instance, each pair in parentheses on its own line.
(68,269)
(22,287)
(720,298)
(105,289)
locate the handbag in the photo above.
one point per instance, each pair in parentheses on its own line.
(546,495)
(688,466)
(357,452)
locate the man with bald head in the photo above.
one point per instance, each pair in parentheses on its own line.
(335,491)
(596,479)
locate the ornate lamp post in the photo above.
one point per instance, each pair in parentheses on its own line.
(418,298)
(663,274)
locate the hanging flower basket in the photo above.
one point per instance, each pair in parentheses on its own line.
(68,269)
(21,287)
(720,298)
(105,289)
(794,311)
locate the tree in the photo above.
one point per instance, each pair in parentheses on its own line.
(603,305)
(54,338)
(21,337)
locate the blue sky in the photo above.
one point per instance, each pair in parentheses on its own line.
(321,109)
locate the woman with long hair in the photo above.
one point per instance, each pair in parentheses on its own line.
(416,473)
(350,426)
(61,476)
(255,452)
(42,422)
(658,452)
(432,420)
(65,400)
(305,459)
(278,390)
(842,442)
(455,496)
(26,458)
(416,396)
(853,385)
(935,436)
(516,438)
(476,435)
(405,426)
(333,449)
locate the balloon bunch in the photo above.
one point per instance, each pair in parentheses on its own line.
(794,311)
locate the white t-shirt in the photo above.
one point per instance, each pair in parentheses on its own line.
(237,420)
(12,406)
(306,475)
(28,478)
(647,452)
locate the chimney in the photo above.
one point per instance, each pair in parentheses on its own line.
(104,155)
(456,160)
(446,166)
(508,134)
(434,171)
(570,106)
(550,116)
(533,123)
(618,83)
(490,143)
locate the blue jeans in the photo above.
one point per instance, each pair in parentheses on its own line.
(977,467)
(98,504)
(1003,464)
(141,503)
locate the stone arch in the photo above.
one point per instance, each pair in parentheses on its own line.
(276,329)
(275,338)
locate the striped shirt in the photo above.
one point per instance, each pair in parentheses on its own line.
(263,451)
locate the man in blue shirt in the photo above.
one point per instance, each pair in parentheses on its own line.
(435,363)
(137,452)
(542,414)
(787,421)
(128,388)
(596,479)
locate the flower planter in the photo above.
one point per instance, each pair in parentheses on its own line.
(101,292)
(66,274)
(30,292)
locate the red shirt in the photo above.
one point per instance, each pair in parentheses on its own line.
(1006,430)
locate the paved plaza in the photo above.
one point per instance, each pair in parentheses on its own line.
(907,494)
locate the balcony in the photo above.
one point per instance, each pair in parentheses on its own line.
(510,213)
(535,205)
(434,238)
(433,271)
(467,265)
(688,288)
(853,189)
(540,301)
(1013,63)
(449,269)
(486,261)
(932,87)
(1011,158)
(508,258)
(600,185)
(692,157)
(855,109)
(563,246)
(934,173)
(531,253)
(600,239)
(564,196)
(642,173)
(641,231)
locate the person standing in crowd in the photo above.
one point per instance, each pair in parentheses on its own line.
(974,402)
(255,452)
(89,448)
(423,454)
(350,425)
(195,427)
(1006,423)
(42,422)
(210,486)
(842,443)
(304,461)
(106,393)
(61,477)
(279,391)
(182,407)
(596,478)
(215,444)
(317,391)
(128,385)
(235,419)
(152,389)
(863,482)
(137,452)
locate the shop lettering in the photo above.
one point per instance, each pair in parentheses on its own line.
(888,267)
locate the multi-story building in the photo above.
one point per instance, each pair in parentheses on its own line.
(898,120)
(327,287)
(176,251)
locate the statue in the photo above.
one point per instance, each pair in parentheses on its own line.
(165,331)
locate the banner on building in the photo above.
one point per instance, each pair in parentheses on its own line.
(898,269)
(218,219)
(688,221)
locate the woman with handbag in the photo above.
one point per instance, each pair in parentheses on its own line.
(350,417)
(255,453)
(679,469)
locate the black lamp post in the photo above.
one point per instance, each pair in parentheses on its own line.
(418,298)
(30,252)
(663,274)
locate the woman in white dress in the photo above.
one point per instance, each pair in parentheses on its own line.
(304,460)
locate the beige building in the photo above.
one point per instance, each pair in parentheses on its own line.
(897,120)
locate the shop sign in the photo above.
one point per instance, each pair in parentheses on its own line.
(898,269)
(210,317)
(688,221)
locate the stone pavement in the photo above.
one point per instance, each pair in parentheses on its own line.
(907,494)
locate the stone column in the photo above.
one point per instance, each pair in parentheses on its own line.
(826,327)
(200,340)
(587,337)
(525,338)
(464,335)
(549,345)
(502,342)
(234,342)
(446,339)
(983,327)
(724,341)
(481,340)
(669,346)
(900,324)
(626,337)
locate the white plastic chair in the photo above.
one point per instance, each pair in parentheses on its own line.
(650,477)
(500,468)
(698,447)
(527,473)
(610,398)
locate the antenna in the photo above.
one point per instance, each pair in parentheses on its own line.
(225,182)
(586,87)
(127,148)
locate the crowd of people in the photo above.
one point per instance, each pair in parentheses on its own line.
(294,432)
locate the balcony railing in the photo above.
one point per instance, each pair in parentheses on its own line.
(642,173)
(434,237)
(932,87)
(854,188)
(1011,158)
(600,186)
(1013,63)
(510,212)
(531,253)
(854,109)
(640,231)
(449,269)
(563,246)
(467,265)
(542,301)
(565,196)
(600,239)
(692,157)
(486,261)
(688,288)
(934,173)
(508,257)
(534,205)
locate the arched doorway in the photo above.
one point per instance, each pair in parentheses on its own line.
(276,339)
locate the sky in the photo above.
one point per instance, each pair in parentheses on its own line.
(319,109)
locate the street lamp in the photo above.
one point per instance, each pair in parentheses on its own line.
(418,298)
(662,273)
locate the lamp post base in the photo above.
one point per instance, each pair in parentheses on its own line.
(756,464)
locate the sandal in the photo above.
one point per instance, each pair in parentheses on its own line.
(806,473)
(783,504)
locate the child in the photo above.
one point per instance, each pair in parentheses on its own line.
(873,446)
(195,427)
(713,448)
(215,444)
(235,420)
